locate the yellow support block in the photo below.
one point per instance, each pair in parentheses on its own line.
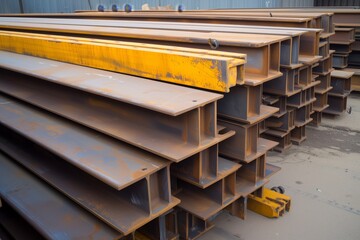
(271,204)
(216,71)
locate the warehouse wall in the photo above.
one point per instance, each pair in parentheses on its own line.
(355,3)
(32,6)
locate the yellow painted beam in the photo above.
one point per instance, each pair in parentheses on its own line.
(211,70)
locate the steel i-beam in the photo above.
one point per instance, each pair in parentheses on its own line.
(212,70)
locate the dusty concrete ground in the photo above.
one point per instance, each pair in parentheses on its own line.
(323,178)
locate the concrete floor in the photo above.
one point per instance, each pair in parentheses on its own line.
(323,178)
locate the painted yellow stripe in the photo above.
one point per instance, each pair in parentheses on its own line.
(215,71)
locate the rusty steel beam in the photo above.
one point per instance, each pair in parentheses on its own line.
(110,85)
(304,41)
(320,19)
(298,135)
(324,48)
(238,208)
(245,146)
(302,116)
(342,48)
(165,227)
(337,104)
(254,171)
(137,125)
(179,17)
(343,35)
(302,98)
(41,127)
(283,138)
(246,186)
(204,169)
(205,203)
(340,60)
(262,127)
(321,102)
(325,83)
(143,200)
(317,118)
(284,123)
(315,22)
(276,101)
(325,17)
(337,99)
(190,226)
(284,85)
(38,204)
(325,66)
(346,17)
(208,69)
(341,82)
(244,104)
(305,77)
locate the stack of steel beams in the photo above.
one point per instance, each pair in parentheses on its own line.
(119,134)
(105,142)
(303,53)
(349,19)
(341,88)
(131,155)
(342,43)
(69,105)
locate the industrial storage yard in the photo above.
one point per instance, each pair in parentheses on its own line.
(150,120)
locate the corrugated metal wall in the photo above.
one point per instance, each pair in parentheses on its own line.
(355,3)
(32,6)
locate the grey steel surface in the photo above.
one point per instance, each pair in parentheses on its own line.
(38,204)
(113,162)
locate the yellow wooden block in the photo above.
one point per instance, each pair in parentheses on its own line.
(200,68)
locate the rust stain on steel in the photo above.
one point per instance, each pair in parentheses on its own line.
(26,194)
(166,98)
(128,123)
(76,145)
(54,130)
(125,210)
